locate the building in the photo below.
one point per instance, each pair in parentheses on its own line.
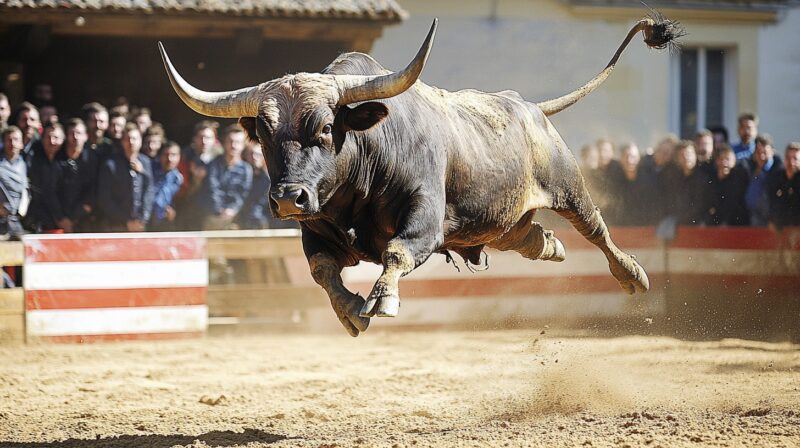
(101,49)
(738,56)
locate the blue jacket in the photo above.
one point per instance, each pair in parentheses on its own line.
(226,187)
(166,185)
(122,193)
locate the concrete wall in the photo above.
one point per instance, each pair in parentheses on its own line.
(542,50)
(779,83)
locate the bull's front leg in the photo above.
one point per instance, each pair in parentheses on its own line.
(327,272)
(419,235)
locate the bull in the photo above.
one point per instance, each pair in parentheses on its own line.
(378,166)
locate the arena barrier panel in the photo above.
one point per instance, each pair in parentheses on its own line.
(706,279)
(84,287)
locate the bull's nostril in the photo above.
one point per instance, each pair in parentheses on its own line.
(302,199)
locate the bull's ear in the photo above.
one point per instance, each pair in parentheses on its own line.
(364,116)
(249,125)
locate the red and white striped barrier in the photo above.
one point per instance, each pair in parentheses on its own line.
(513,288)
(115,286)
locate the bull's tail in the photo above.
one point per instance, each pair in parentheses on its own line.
(658,33)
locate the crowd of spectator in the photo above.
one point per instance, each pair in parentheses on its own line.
(116,170)
(703,182)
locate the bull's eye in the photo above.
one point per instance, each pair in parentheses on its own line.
(327,129)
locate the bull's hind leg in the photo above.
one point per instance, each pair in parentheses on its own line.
(587,220)
(532,241)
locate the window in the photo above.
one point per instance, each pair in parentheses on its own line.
(703,82)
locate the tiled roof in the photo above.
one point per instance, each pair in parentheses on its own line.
(388,10)
(752,5)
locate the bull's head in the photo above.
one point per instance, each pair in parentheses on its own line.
(301,121)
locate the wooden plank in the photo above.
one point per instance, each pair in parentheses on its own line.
(12,328)
(245,248)
(12,301)
(255,300)
(12,253)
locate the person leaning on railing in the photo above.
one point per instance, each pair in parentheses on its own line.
(784,190)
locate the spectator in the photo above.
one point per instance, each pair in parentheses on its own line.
(77,180)
(5,111)
(784,190)
(748,129)
(96,117)
(45,210)
(228,182)
(27,121)
(167,181)
(635,201)
(760,167)
(704,149)
(154,139)
(606,175)
(49,114)
(720,134)
(125,186)
(688,187)
(255,213)
(728,188)
(143,119)
(13,184)
(590,168)
(116,126)
(657,169)
(193,167)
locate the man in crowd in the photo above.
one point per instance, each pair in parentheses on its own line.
(27,121)
(228,182)
(760,167)
(45,210)
(96,117)
(728,188)
(154,138)
(13,184)
(748,129)
(76,188)
(784,190)
(634,200)
(125,186)
(255,213)
(704,149)
(116,126)
(5,111)
(143,119)
(194,160)
(167,181)
(688,187)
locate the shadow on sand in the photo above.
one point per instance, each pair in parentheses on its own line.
(213,438)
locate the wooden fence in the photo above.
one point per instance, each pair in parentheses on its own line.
(709,279)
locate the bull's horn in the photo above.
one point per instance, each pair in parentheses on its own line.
(365,88)
(234,104)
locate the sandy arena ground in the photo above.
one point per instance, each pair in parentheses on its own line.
(503,388)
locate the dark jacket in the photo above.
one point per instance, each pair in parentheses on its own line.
(45,208)
(123,194)
(784,199)
(634,202)
(689,196)
(77,184)
(727,202)
(226,187)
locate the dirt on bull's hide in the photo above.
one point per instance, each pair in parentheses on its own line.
(501,388)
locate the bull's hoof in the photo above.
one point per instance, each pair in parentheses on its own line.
(559,253)
(381,305)
(630,275)
(347,311)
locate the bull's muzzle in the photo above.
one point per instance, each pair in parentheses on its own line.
(291,199)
